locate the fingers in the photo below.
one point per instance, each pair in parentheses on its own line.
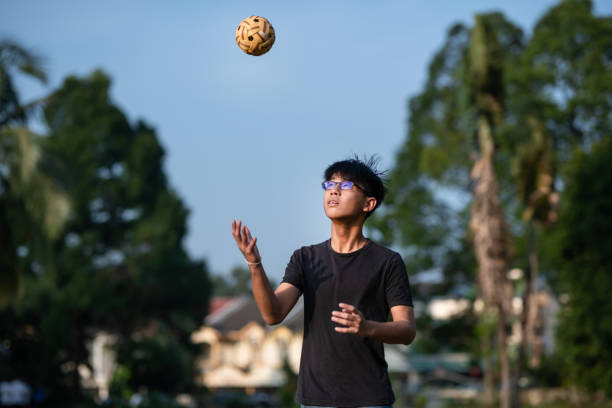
(241,232)
(344,315)
(236,233)
(252,245)
(349,317)
(348,308)
(236,228)
(245,241)
(247,233)
(345,329)
(351,320)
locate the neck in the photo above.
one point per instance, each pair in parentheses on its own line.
(346,237)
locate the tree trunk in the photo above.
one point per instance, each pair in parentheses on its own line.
(527,316)
(506,393)
(487,333)
(490,237)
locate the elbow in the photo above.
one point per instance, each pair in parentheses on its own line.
(409,338)
(272,320)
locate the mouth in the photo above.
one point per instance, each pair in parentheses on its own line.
(332,203)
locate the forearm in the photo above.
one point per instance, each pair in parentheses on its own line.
(395,332)
(264,295)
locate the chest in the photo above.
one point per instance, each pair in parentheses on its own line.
(359,281)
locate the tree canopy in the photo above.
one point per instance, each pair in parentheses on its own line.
(118,265)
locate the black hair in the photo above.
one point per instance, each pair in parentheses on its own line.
(362,172)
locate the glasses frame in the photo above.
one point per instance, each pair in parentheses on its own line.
(345,185)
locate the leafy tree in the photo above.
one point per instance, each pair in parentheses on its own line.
(585,331)
(119,265)
(29,189)
(571,69)
(14,57)
(450,156)
(562,102)
(520,108)
(33,204)
(33,209)
(128,224)
(237,283)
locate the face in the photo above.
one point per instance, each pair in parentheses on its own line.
(346,204)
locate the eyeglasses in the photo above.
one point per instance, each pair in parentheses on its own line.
(344,185)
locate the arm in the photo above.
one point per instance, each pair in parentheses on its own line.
(273,305)
(401,330)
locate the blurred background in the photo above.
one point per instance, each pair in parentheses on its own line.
(131,134)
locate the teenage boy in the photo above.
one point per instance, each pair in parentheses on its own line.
(349,284)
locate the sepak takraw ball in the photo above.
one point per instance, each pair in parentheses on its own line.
(255,35)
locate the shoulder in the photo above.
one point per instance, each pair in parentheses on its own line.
(310,251)
(384,252)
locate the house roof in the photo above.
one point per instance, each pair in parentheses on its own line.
(229,314)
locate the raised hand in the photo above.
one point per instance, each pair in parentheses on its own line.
(246,243)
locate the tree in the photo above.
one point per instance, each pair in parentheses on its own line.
(238,283)
(13,58)
(585,331)
(529,105)
(488,221)
(563,93)
(119,265)
(455,121)
(32,202)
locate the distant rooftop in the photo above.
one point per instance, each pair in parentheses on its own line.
(233,313)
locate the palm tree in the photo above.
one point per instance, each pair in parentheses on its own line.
(488,225)
(14,58)
(30,196)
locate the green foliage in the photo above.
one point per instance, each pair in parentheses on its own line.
(237,283)
(549,373)
(118,264)
(286,394)
(585,331)
(120,383)
(566,77)
(429,187)
(157,361)
(31,201)
(15,58)
(547,96)
(456,334)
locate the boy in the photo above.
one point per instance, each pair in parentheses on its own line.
(350,284)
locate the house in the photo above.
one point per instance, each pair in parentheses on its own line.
(240,351)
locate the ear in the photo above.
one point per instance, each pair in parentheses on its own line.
(369,205)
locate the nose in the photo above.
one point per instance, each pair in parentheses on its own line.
(335,190)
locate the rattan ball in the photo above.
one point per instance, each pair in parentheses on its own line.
(255,35)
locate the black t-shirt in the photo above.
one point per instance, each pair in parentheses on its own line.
(342,369)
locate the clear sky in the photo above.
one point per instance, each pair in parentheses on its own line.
(249,137)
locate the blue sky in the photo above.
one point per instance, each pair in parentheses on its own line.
(249,137)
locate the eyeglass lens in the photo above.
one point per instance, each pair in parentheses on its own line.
(344,185)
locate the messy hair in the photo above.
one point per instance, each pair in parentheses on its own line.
(363,172)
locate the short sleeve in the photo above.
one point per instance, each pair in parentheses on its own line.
(294,273)
(397,287)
